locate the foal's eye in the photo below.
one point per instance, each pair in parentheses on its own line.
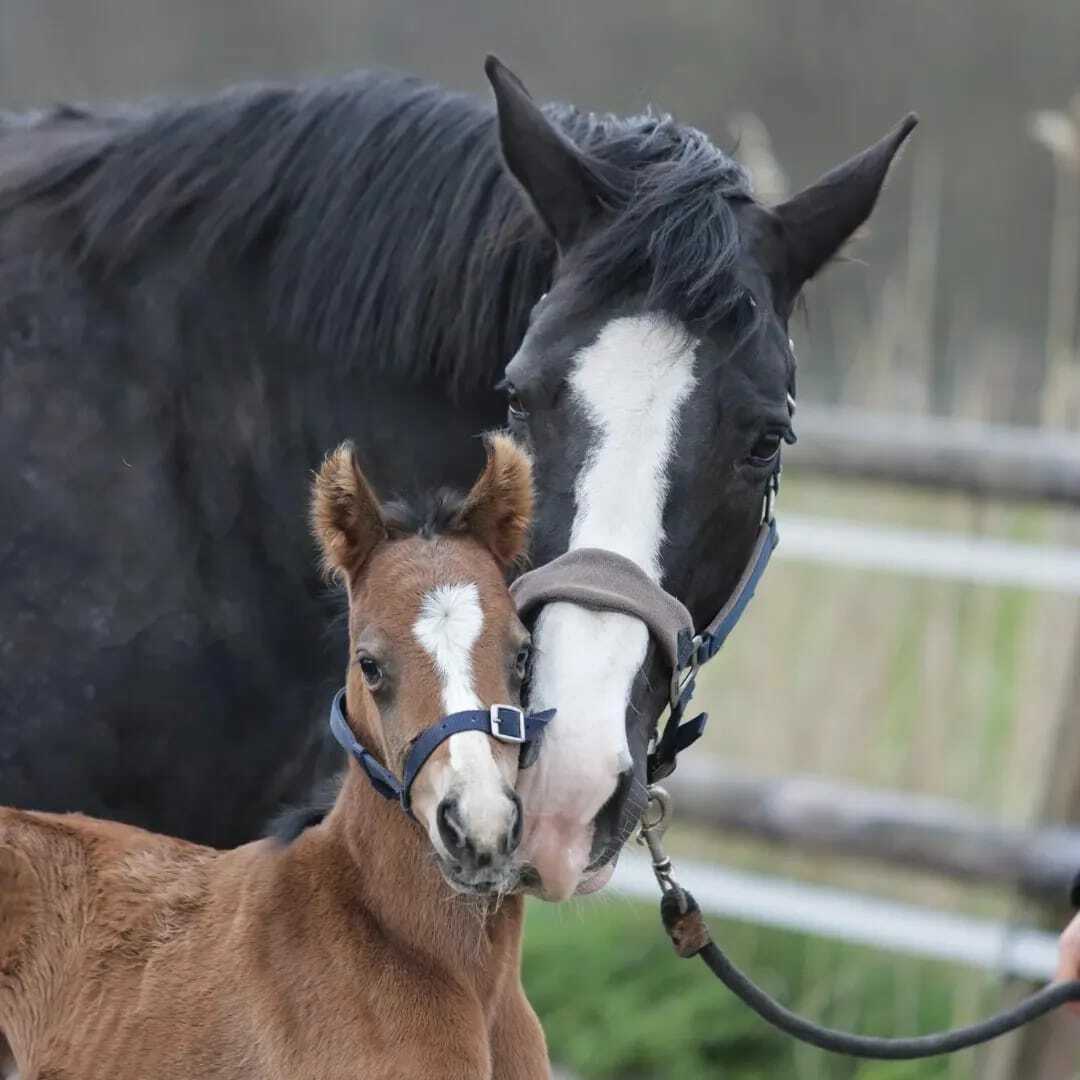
(373,674)
(765,449)
(521,661)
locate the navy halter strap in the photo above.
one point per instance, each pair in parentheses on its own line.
(605,581)
(678,735)
(505,723)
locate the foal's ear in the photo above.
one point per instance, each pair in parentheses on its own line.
(345,514)
(498,510)
(817,221)
(563,188)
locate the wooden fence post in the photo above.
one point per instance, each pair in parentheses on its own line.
(1050,1049)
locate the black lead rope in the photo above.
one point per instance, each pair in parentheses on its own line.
(686,927)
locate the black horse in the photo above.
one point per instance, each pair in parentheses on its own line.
(197,299)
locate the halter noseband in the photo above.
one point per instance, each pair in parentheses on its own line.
(505,723)
(605,581)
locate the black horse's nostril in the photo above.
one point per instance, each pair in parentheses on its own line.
(450,828)
(616,818)
(513,834)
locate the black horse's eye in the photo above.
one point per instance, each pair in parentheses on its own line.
(373,674)
(521,661)
(515,404)
(766,448)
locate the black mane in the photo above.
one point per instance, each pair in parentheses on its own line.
(287,825)
(286,180)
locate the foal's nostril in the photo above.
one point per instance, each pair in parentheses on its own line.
(450,828)
(469,855)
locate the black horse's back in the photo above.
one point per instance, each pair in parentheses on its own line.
(173,362)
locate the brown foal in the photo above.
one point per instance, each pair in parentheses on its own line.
(363,947)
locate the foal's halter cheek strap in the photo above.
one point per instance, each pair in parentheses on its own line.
(382,779)
(504,723)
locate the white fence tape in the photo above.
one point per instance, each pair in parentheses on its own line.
(929,554)
(849,916)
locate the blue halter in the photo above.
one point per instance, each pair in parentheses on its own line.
(605,581)
(506,723)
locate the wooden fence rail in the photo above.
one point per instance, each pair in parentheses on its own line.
(914,832)
(949,455)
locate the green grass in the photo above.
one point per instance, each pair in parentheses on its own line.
(616,1002)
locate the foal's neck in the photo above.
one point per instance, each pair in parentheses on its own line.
(393,872)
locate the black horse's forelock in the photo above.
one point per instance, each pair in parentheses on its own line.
(318,189)
(673,233)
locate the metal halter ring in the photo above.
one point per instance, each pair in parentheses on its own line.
(659,802)
(654,823)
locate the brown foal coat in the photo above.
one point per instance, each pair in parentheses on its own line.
(125,955)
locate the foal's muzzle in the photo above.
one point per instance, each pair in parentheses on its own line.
(474,864)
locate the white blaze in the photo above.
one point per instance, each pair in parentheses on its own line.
(631,383)
(448,626)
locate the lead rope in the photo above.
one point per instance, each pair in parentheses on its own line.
(686,927)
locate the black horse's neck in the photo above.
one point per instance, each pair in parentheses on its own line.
(209,296)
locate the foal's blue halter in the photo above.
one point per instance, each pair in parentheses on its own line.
(505,723)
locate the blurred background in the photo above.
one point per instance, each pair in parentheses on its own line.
(896,725)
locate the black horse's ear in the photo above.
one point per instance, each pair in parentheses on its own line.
(565,191)
(816,222)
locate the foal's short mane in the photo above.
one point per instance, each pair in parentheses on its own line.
(377,212)
(427,515)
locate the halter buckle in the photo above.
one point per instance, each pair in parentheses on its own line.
(682,677)
(507,724)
